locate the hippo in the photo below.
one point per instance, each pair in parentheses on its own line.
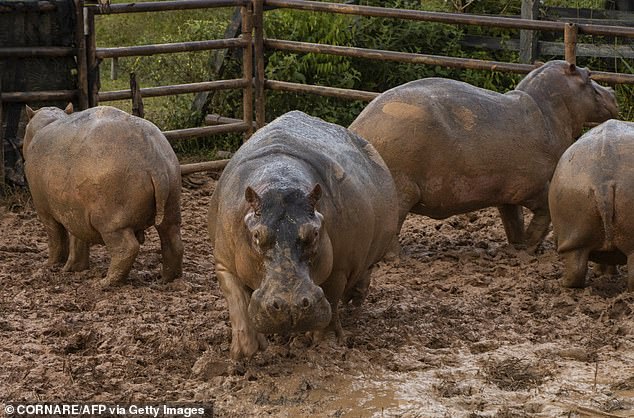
(590,199)
(453,148)
(103,176)
(299,216)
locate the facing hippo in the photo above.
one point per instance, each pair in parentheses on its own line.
(591,197)
(298,217)
(454,148)
(103,176)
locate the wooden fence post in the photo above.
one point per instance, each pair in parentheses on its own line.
(570,43)
(260,103)
(247,68)
(528,38)
(91,58)
(137,99)
(1,143)
(80,45)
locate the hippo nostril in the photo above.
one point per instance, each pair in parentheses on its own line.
(305,303)
(276,306)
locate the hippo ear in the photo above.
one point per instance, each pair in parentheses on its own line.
(254,200)
(29,112)
(313,197)
(571,69)
(69,108)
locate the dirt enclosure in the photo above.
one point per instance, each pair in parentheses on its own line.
(461,326)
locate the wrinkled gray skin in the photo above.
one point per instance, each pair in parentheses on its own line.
(591,198)
(300,214)
(103,176)
(453,148)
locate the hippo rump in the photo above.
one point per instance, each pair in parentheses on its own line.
(103,176)
(298,217)
(454,148)
(591,197)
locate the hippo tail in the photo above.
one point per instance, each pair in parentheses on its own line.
(161,193)
(604,196)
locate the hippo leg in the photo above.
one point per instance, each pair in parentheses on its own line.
(333,289)
(123,248)
(576,267)
(537,229)
(57,240)
(171,250)
(357,294)
(601,269)
(630,272)
(513,221)
(245,341)
(78,255)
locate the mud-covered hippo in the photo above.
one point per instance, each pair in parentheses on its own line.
(298,217)
(591,198)
(454,148)
(103,176)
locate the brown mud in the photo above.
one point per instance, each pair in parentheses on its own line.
(461,326)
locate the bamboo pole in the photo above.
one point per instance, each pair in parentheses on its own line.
(260,99)
(174,89)
(570,43)
(82,66)
(146,50)
(247,69)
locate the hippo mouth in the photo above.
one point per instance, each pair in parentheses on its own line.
(276,316)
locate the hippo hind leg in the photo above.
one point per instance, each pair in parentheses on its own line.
(513,221)
(57,240)
(123,248)
(576,267)
(78,255)
(171,250)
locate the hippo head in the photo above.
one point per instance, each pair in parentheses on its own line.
(39,119)
(286,231)
(581,97)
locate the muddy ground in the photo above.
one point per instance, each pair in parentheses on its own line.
(461,326)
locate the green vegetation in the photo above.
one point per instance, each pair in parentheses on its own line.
(378,33)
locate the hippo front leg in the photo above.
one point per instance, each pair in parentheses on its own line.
(79,254)
(537,229)
(513,221)
(333,289)
(57,240)
(245,341)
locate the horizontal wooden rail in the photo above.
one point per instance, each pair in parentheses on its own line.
(205,130)
(160,6)
(204,166)
(109,96)
(213,119)
(144,50)
(320,90)
(20,6)
(37,51)
(612,78)
(380,55)
(38,96)
(442,17)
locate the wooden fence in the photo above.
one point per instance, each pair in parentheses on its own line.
(253,44)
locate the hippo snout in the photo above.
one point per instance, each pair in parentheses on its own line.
(274,311)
